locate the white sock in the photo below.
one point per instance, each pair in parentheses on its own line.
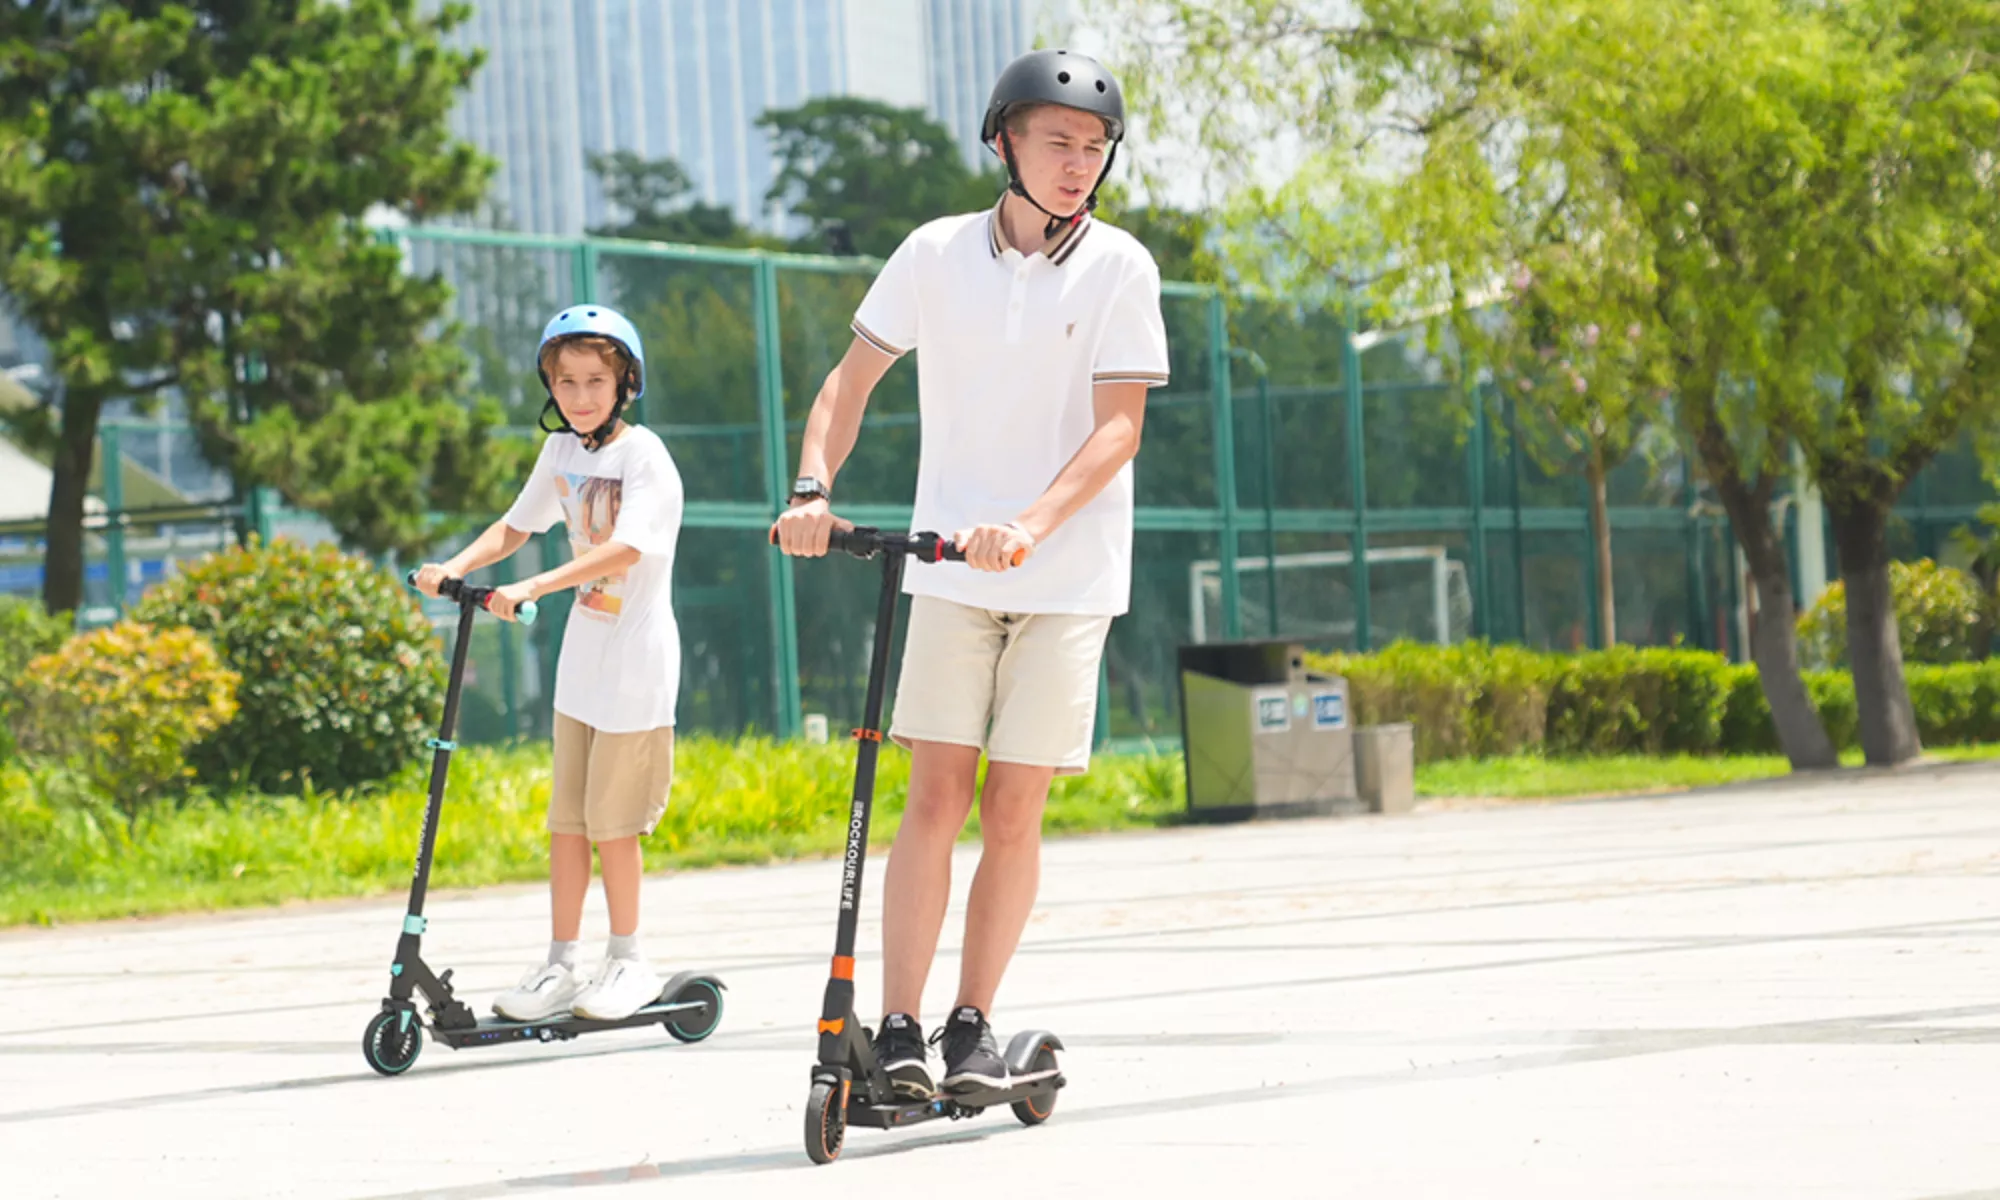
(563,953)
(624,946)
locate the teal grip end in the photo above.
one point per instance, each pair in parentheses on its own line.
(525,612)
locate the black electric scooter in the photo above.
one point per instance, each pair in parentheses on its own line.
(849,1086)
(689,1006)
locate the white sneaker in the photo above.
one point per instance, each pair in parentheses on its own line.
(622,987)
(544,992)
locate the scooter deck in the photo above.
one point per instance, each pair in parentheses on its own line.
(952,1104)
(493,1031)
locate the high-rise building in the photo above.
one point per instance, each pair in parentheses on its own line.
(687,79)
(967,43)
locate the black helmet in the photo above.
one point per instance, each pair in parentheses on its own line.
(1061,77)
(1056,77)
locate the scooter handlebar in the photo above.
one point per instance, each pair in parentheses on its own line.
(469,595)
(864,541)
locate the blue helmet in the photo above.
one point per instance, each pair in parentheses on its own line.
(600,321)
(593,320)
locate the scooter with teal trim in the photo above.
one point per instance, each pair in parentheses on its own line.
(689,1005)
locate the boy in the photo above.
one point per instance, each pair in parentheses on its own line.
(618,677)
(1038,332)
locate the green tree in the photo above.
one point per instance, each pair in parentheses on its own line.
(1793,199)
(659,205)
(865,173)
(182,192)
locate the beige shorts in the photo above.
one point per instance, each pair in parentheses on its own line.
(609,785)
(1021,686)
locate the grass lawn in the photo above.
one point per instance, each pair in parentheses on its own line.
(1532,777)
(747,801)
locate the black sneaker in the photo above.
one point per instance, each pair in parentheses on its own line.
(899,1048)
(971,1060)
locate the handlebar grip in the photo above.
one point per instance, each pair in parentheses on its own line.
(462,592)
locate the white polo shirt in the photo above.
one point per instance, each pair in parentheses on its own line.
(1008,350)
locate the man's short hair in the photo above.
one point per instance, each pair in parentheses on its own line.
(1016,120)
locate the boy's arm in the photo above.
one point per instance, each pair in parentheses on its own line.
(1120,411)
(496,544)
(608,559)
(831,429)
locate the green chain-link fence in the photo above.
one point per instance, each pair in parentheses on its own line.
(1300,477)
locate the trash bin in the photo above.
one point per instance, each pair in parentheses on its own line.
(1385,772)
(1261,735)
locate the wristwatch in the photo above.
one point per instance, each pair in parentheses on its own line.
(808,488)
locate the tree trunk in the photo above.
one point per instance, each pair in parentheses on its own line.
(1774,646)
(62,570)
(1881,696)
(1600,529)
(1774,643)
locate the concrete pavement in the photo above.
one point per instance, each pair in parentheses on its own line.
(1782,990)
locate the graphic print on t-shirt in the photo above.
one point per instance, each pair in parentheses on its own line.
(590,506)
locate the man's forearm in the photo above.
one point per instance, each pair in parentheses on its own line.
(1096,463)
(831,429)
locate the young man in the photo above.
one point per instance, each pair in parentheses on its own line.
(1038,332)
(618,676)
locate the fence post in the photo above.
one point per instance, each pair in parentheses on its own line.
(1476,471)
(1357,470)
(777,461)
(114,527)
(1225,463)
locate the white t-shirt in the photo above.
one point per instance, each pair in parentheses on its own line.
(1008,350)
(620,666)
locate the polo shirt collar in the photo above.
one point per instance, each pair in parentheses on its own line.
(1058,249)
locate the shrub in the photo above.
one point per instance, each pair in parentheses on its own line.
(1940,617)
(1746,722)
(1467,700)
(1625,701)
(122,704)
(342,678)
(26,632)
(1956,704)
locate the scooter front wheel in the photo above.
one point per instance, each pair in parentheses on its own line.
(826,1123)
(392,1041)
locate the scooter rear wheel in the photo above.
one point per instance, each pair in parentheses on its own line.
(1033,1110)
(826,1123)
(392,1041)
(695,1024)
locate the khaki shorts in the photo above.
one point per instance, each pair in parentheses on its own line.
(609,785)
(1021,686)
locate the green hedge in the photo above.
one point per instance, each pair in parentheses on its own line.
(1475,700)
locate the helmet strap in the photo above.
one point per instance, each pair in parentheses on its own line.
(594,440)
(1020,189)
